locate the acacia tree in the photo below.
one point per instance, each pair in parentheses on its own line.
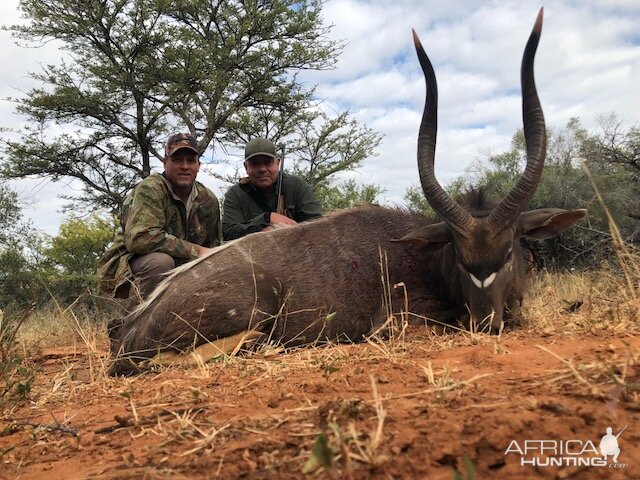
(20,247)
(347,194)
(416,202)
(138,69)
(326,146)
(615,152)
(315,146)
(71,256)
(36,267)
(10,215)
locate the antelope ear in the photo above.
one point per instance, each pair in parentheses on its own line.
(430,237)
(547,222)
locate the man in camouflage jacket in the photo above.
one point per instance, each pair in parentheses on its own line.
(250,206)
(168,219)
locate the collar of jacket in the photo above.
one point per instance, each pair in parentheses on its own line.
(192,196)
(244,181)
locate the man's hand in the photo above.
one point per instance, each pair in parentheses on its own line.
(203,251)
(278,219)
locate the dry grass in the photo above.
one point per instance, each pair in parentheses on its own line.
(603,310)
(182,416)
(596,301)
(337,437)
(613,375)
(53,326)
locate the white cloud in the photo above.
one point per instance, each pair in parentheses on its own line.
(382,89)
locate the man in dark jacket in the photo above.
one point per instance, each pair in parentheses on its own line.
(167,220)
(250,206)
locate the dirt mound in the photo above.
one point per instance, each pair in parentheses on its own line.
(418,408)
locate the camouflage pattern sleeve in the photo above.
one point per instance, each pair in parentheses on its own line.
(213,231)
(147,228)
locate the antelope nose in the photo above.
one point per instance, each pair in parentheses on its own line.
(497,326)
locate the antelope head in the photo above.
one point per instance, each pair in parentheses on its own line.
(486,249)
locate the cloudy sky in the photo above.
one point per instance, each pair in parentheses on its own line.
(588,64)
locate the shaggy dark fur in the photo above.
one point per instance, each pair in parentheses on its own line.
(320,280)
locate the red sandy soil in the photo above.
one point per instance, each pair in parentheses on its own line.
(435,402)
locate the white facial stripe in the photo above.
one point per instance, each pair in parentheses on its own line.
(475,281)
(483,284)
(489,280)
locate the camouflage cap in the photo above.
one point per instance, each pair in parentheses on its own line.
(179,141)
(260,146)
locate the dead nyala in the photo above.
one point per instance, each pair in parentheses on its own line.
(321,280)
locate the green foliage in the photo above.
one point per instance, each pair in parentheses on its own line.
(469,470)
(34,269)
(72,256)
(19,253)
(16,377)
(612,155)
(17,281)
(326,146)
(321,455)
(80,244)
(10,214)
(138,69)
(347,194)
(416,202)
(316,147)
(565,184)
(14,231)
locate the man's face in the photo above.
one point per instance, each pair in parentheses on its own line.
(182,167)
(262,170)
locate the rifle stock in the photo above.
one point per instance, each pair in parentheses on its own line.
(280,209)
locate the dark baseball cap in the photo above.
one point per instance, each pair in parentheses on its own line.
(178,142)
(259,146)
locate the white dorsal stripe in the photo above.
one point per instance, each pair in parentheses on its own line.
(483,284)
